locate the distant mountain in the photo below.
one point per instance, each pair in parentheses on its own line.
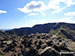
(41,28)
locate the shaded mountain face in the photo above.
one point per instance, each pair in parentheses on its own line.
(40,28)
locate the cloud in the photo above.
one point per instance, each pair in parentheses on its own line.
(66,19)
(31,14)
(42,21)
(57,5)
(69,2)
(58,10)
(69,17)
(40,7)
(2,11)
(34,6)
(54,4)
(69,14)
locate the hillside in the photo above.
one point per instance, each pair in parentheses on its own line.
(60,38)
(36,45)
(41,28)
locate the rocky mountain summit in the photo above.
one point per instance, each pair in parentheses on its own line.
(60,41)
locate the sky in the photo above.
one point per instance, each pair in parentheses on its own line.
(26,13)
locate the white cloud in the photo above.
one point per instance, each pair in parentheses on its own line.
(69,14)
(31,14)
(69,2)
(2,11)
(56,4)
(69,17)
(66,19)
(40,7)
(42,21)
(33,6)
(58,10)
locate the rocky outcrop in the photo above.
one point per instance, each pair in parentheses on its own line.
(36,45)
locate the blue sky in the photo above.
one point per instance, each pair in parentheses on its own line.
(26,13)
